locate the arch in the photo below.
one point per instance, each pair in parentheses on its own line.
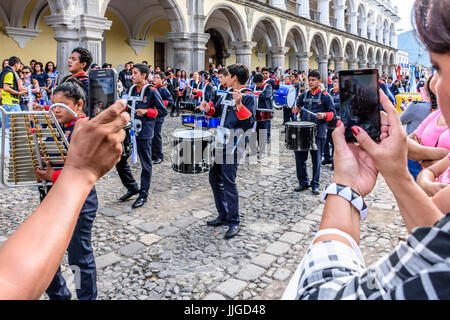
(318,44)
(37,14)
(3,17)
(171,10)
(361,53)
(350,51)
(370,55)
(122,19)
(296,36)
(236,22)
(273,35)
(335,49)
(392,59)
(378,56)
(151,14)
(385,58)
(362,11)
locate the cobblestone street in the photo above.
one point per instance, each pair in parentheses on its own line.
(164,250)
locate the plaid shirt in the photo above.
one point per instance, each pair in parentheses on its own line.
(418,269)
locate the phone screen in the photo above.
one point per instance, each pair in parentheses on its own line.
(102,91)
(360,102)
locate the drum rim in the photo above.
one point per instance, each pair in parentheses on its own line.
(205,134)
(310,124)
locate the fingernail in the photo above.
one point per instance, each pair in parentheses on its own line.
(338,124)
(355,130)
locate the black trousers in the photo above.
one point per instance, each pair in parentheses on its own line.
(144,150)
(157,140)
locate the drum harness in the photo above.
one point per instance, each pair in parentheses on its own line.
(310,101)
(136,124)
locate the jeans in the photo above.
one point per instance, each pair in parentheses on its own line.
(10,108)
(414,168)
(82,262)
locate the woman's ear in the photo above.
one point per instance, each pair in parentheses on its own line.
(79,107)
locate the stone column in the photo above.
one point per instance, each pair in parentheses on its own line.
(278,56)
(91,35)
(338,63)
(199,41)
(363,27)
(67,39)
(244,52)
(362,64)
(380,35)
(323,68)
(379,66)
(372,64)
(323,6)
(303,8)
(293,61)
(280,4)
(303,61)
(385,69)
(394,40)
(353,21)
(373,32)
(182,47)
(351,64)
(387,39)
(339,14)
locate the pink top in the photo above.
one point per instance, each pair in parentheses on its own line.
(431,134)
(445,177)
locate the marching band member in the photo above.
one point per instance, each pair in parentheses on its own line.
(223,86)
(222,175)
(275,83)
(80,251)
(148,110)
(287,112)
(329,146)
(206,86)
(195,85)
(264,92)
(317,101)
(157,155)
(79,63)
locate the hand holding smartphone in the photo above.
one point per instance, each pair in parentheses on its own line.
(360,102)
(102,90)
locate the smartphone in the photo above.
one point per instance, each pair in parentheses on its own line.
(102,90)
(360,102)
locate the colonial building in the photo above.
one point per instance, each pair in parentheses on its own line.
(191,34)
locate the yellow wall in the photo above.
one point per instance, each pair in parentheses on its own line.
(118,51)
(231,60)
(332,65)
(257,62)
(41,48)
(313,62)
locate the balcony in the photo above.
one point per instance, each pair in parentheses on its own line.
(315,15)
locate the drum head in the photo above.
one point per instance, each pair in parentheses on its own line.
(292,95)
(301,124)
(192,134)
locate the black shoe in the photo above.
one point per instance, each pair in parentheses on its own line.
(216,223)
(315,192)
(157,161)
(232,232)
(139,202)
(128,195)
(325,162)
(302,188)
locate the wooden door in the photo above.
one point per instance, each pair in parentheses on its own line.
(160,54)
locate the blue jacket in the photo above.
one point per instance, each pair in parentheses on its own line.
(265,97)
(152,101)
(336,100)
(244,120)
(318,102)
(166,96)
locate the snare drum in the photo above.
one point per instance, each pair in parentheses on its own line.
(281,95)
(301,136)
(192,151)
(200,121)
(187,106)
(212,123)
(188,120)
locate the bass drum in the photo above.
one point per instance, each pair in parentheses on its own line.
(192,151)
(291,97)
(301,136)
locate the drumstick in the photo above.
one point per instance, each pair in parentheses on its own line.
(312,113)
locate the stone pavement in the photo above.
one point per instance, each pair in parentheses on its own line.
(165,250)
